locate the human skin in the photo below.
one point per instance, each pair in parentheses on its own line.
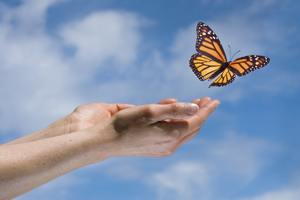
(95,132)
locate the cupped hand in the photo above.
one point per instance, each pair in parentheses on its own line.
(158,130)
(94,113)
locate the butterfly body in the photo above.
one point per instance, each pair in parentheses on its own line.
(211,62)
(219,71)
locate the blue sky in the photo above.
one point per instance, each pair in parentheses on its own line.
(58,54)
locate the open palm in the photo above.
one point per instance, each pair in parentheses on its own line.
(91,114)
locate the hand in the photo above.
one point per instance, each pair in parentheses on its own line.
(94,113)
(157,130)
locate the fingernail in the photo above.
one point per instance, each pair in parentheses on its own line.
(191,108)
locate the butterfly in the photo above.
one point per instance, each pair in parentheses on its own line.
(211,61)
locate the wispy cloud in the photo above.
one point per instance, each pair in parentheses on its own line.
(103,35)
(34,77)
(38,79)
(182,179)
(286,194)
(232,159)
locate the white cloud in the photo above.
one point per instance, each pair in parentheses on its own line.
(39,84)
(239,154)
(27,58)
(34,77)
(233,160)
(289,191)
(260,6)
(181,180)
(286,194)
(104,35)
(27,18)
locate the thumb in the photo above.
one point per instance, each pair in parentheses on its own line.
(174,111)
(153,113)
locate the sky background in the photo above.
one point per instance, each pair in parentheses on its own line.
(58,54)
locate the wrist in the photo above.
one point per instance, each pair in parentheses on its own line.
(99,142)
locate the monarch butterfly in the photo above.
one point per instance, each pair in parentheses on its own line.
(210,61)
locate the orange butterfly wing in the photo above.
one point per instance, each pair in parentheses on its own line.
(203,66)
(247,64)
(210,61)
(209,44)
(225,78)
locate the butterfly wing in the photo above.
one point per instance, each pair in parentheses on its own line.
(203,66)
(208,43)
(210,56)
(247,64)
(225,78)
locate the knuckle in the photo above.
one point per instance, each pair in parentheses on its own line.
(149,112)
(175,110)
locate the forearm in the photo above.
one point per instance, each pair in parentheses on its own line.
(59,127)
(26,166)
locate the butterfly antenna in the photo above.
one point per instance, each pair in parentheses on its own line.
(235,54)
(229,51)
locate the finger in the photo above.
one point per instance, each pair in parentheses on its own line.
(196,101)
(168,101)
(174,111)
(196,121)
(116,107)
(203,101)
